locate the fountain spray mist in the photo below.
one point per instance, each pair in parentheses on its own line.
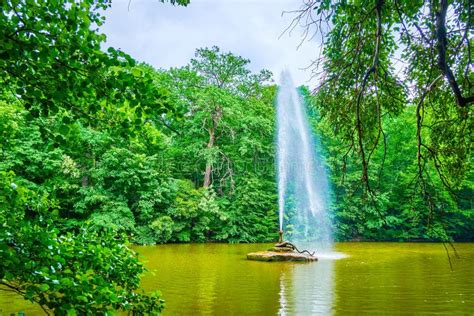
(303,190)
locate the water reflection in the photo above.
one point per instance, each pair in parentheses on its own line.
(214,279)
(376,278)
(283,303)
(404,278)
(307,289)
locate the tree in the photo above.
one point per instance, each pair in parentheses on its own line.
(61,100)
(51,60)
(227,73)
(214,91)
(66,272)
(223,142)
(378,57)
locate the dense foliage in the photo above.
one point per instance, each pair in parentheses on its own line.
(97,149)
(57,89)
(396,92)
(74,272)
(394,210)
(194,173)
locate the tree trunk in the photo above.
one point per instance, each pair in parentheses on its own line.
(216,116)
(85,181)
(207,173)
(442,43)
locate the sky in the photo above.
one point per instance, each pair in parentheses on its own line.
(167,36)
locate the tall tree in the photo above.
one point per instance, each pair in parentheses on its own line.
(221,85)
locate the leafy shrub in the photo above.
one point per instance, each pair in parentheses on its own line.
(80,272)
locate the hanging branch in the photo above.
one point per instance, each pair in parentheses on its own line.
(442,58)
(371,70)
(419,121)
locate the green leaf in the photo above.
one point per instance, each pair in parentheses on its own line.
(136,72)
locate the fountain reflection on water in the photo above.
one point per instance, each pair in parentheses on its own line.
(303,190)
(309,287)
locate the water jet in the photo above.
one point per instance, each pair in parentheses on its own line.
(302,181)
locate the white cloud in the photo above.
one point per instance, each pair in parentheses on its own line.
(167,36)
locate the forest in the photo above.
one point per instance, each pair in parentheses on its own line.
(100,151)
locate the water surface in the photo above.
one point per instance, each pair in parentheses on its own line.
(374,278)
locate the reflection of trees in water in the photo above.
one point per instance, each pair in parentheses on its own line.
(382,278)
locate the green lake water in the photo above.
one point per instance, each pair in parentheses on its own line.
(373,278)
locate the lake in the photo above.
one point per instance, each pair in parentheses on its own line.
(372,278)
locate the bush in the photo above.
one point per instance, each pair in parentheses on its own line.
(74,272)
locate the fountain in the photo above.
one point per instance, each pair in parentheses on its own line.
(302,181)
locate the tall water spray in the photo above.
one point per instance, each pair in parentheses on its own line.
(303,191)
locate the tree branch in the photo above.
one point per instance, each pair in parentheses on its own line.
(442,58)
(419,121)
(372,69)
